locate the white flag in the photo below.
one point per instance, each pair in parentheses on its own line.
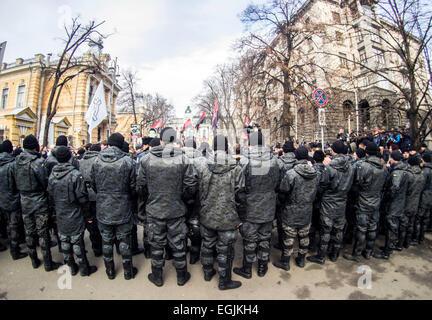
(97,110)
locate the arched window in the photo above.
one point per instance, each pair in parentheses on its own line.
(364,110)
(347,108)
(386,114)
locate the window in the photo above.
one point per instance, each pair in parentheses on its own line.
(20,96)
(4,99)
(375,35)
(336,17)
(379,57)
(343,60)
(363,58)
(339,37)
(359,34)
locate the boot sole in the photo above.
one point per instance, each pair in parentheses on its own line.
(241,274)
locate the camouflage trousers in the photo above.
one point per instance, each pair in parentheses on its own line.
(366,231)
(395,226)
(420,223)
(331,233)
(35,215)
(410,216)
(221,241)
(172,232)
(122,233)
(12,220)
(256,241)
(194,235)
(289,236)
(92,226)
(73,245)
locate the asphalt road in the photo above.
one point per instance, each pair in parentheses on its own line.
(407,275)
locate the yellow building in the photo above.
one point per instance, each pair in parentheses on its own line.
(25,90)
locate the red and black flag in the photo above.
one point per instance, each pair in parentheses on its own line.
(200,121)
(246,122)
(187,124)
(215,116)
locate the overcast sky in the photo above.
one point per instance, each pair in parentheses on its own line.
(174,44)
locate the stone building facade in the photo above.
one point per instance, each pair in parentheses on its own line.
(25,89)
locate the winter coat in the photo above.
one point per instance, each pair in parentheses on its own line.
(262,174)
(416,183)
(287,162)
(300,184)
(67,191)
(51,161)
(113,178)
(32,181)
(370,177)
(9,195)
(426,196)
(85,165)
(160,182)
(396,189)
(220,183)
(336,183)
(195,159)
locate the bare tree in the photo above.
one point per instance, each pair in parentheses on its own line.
(68,65)
(130,98)
(156,107)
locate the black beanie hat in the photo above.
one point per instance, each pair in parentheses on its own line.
(220,142)
(412,148)
(61,141)
(116,140)
(95,147)
(168,135)
(414,160)
(81,151)
(6,147)
(146,141)
(190,143)
(301,153)
(63,154)
(125,147)
(360,153)
(30,143)
(427,157)
(288,147)
(396,155)
(154,142)
(256,138)
(319,156)
(372,149)
(338,146)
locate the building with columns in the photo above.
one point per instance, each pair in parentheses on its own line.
(25,88)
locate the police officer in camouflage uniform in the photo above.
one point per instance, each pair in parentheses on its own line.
(160,181)
(90,206)
(113,178)
(416,183)
(394,197)
(422,218)
(336,183)
(192,206)
(32,181)
(67,192)
(262,175)
(299,185)
(370,177)
(10,199)
(286,162)
(220,183)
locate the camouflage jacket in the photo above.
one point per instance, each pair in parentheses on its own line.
(85,165)
(262,179)
(160,182)
(336,183)
(370,178)
(300,184)
(51,161)
(113,178)
(67,191)
(9,195)
(426,196)
(220,183)
(195,158)
(416,183)
(396,189)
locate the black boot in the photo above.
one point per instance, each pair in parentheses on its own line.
(194,255)
(262,268)
(300,260)
(2,247)
(209,272)
(72,266)
(147,250)
(16,253)
(49,264)
(283,263)
(334,255)
(129,270)
(86,269)
(351,257)
(156,276)
(226,283)
(183,276)
(109,269)
(318,258)
(34,258)
(382,255)
(245,271)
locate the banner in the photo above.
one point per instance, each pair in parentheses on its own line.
(97,110)
(200,121)
(2,51)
